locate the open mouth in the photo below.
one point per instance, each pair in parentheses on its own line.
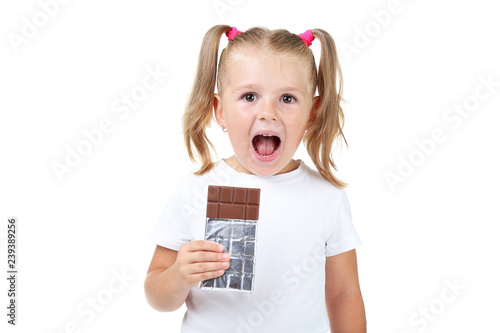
(266,145)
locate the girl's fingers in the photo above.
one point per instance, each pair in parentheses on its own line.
(202,245)
(204,251)
(201,260)
(208,275)
(202,256)
(206,267)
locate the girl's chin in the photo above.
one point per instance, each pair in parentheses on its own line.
(254,167)
(267,169)
(263,167)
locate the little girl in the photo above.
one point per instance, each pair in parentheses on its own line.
(306,276)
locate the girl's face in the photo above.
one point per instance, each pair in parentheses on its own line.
(266,103)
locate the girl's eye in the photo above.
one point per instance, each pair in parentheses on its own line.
(287,99)
(249,97)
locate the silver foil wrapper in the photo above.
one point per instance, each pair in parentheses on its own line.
(238,238)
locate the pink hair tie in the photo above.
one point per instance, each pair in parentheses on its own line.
(231,33)
(307,37)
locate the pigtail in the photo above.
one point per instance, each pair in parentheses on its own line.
(199,108)
(327,124)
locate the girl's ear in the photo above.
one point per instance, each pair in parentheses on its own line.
(219,115)
(314,108)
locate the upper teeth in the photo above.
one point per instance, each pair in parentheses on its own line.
(267,135)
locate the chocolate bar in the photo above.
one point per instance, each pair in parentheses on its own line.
(232,215)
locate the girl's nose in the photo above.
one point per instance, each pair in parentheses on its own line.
(268,111)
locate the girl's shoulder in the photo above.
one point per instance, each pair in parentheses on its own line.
(314,179)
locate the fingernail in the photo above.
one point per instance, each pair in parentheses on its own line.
(220,248)
(225,264)
(226,256)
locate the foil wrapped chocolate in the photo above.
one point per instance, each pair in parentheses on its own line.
(232,215)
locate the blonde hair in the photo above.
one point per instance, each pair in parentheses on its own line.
(326,126)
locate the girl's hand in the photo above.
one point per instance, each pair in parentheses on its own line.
(199,260)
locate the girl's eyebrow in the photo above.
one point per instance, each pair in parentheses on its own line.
(246,87)
(292,89)
(251,86)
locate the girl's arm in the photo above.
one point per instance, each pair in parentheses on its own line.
(344,302)
(172,274)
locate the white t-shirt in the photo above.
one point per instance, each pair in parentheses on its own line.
(302,220)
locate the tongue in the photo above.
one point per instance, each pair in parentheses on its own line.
(265,145)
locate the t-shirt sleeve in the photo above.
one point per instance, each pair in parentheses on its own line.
(172,228)
(343,236)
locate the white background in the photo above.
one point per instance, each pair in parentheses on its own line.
(436,226)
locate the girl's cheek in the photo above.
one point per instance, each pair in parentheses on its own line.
(245,114)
